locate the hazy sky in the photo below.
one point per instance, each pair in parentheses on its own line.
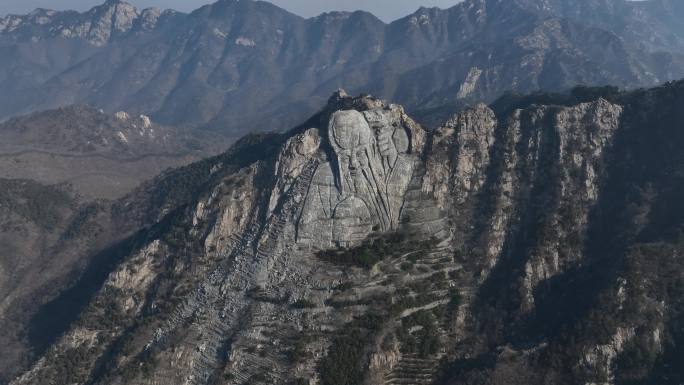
(385,9)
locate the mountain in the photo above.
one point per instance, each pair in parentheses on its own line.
(45,231)
(236,66)
(653,25)
(534,241)
(98,154)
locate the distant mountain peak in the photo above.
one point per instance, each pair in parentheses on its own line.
(112,17)
(238,65)
(119,7)
(42,11)
(97,25)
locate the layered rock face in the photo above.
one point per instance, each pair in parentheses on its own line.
(365,191)
(511,245)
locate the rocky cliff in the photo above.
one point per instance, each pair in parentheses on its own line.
(522,243)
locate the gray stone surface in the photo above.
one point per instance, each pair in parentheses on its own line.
(510,201)
(361,188)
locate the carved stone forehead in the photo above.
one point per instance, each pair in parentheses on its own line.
(349,129)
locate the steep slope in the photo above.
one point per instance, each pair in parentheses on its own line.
(529,243)
(45,43)
(45,235)
(241,65)
(26,225)
(99,155)
(585,284)
(653,25)
(57,250)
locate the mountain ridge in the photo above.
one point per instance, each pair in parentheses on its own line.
(240,250)
(537,239)
(98,154)
(202,69)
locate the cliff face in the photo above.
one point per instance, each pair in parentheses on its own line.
(524,243)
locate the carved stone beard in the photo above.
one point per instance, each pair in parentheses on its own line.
(362,187)
(367,184)
(352,165)
(360,171)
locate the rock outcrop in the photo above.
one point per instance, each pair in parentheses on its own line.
(361,188)
(511,245)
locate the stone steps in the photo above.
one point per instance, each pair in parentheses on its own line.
(215,323)
(413,370)
(267,367)
(253,366)
(290,209)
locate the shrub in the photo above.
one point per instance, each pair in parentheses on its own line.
(347,357)
(303,304)
(371,251)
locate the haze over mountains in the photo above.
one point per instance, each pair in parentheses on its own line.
(239,66)
(98,155)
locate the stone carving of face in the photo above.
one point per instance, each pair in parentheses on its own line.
(351,138)
(362,188)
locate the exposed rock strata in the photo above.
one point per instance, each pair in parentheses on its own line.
(499,214)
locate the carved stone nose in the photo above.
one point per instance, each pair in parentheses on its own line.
(353,162)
